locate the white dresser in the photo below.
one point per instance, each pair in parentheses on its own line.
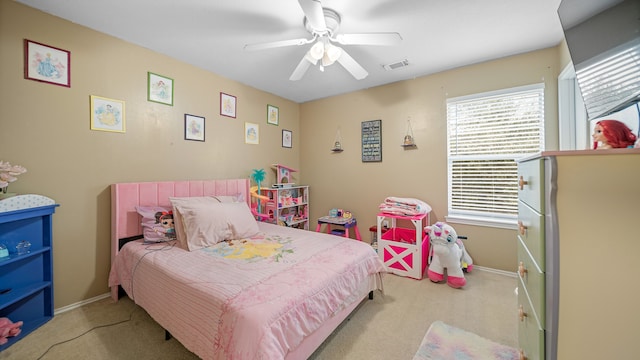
(534,263)
(578,255)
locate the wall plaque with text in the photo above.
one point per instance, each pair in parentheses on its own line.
(372,141)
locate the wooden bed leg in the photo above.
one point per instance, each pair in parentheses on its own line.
(167,335)
(370,295)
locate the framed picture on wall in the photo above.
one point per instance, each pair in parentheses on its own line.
(372,141)
(273,115)
(227,105)
(251,133)
(107,114)
(193,127)
(159,89)
(286,138)
(47,64)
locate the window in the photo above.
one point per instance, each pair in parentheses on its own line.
(613,82)
(486,133)
(573,127)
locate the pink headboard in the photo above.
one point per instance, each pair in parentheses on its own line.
(125,221)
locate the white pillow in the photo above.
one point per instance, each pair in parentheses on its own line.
(177,216)
(203,221)
(241,220)
(204,224)
(228,198)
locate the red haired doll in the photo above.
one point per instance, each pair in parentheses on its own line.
(612,134)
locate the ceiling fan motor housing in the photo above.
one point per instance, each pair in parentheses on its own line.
(331,18)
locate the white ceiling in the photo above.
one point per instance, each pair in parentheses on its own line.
(437,35)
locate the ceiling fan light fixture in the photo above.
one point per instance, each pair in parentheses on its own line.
(332,52)
(310,58)
(317,50)
(322,24)
(326,61)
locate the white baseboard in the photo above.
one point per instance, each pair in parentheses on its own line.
(495,271)
(80,303)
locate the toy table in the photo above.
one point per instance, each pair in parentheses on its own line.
(346,223)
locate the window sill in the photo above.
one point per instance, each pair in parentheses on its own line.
(510,224)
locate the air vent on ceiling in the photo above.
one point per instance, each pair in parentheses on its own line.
(396,65)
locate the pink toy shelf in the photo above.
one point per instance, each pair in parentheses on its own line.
(404,251)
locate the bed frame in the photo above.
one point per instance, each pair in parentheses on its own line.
(125,226)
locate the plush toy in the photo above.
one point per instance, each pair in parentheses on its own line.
(447,252)
(8,329)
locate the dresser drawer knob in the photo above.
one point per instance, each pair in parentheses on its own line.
(522,182)
(521,314)
(521,355)
(521,269)
(521,227)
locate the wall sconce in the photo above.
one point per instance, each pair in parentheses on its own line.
(409,142)
(337,144)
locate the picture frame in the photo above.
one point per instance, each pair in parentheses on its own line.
(107,114)
(372,141)
(251,133)
(287,139)
(194,127)
(159,89)
(47,64)
(227,105)
(273,115)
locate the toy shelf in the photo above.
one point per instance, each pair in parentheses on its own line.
(287,206)
(26,279)
(404,251)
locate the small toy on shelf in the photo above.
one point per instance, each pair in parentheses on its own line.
(283,176)
(447,252)
(256,205)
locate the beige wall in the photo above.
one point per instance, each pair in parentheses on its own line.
(46,129)
(564,55)
(342,180)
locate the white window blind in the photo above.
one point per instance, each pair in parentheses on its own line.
(486,133)
(613,82)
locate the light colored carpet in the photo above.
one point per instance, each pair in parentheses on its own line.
(390,326)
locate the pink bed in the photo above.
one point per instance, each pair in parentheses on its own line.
(277,295)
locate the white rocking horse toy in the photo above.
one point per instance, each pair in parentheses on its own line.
(447,252)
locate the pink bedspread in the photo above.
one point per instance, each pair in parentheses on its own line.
(251,299)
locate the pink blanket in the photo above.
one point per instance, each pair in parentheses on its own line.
(404,206)
(251,299)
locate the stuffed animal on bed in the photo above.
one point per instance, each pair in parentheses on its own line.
(447,252)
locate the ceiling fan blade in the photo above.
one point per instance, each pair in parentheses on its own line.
(387,39)
(315,15)
(352,66)
(275,44)
(300,70)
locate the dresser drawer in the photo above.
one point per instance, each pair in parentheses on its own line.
(532,282)
(530,334)
(530,184)
(531,231)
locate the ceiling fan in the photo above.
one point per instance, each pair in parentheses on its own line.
(322,24)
